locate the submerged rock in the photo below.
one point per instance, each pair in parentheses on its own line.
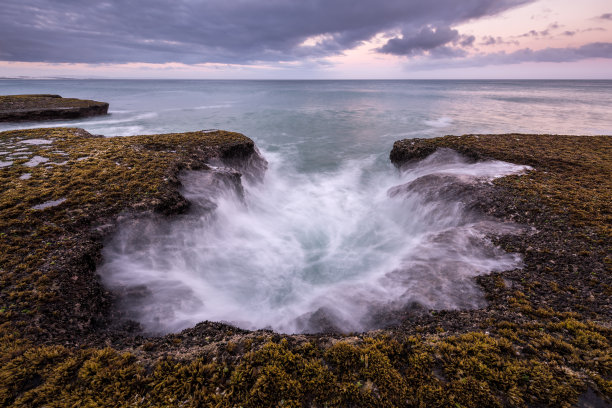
(20,108)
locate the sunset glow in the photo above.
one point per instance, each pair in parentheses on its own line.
(416,39)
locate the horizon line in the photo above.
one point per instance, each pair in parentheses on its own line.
(294,79)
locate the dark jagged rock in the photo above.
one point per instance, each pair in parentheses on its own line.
(408,150)
(21,108)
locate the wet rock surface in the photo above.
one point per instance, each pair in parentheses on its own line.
(543,339)
(21,108)
(51,252)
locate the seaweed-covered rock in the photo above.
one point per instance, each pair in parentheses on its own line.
(63,192)
(543,340)
(408,150)
(19,108)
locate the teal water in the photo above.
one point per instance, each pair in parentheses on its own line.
(322,123)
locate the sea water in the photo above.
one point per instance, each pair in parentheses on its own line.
(334,238)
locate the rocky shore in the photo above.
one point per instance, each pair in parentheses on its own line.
(543,340)
(21,108)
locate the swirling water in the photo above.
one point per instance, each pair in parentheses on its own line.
(328,240)
(341,251)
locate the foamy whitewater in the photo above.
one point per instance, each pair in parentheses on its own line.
(335,251)
(334,237)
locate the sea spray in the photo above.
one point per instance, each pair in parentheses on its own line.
(339,250)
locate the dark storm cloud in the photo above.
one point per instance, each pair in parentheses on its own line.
(193,31)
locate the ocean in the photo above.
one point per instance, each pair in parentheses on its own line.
(330,239)
(323,123)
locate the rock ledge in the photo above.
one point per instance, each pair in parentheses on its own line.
(20,108)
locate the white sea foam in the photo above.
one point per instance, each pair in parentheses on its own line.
(111,120)
(107,123)
(124,130)
(440,122)
(307,252)
(217,106)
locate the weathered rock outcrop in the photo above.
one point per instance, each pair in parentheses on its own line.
(21,108)
(543,340)
(61,191)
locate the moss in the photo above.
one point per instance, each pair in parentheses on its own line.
(530,347)
(39,247)
(571,171)
(471,370)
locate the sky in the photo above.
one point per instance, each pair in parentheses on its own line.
(307,39)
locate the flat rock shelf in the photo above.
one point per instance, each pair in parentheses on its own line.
(543,340)
(21,108)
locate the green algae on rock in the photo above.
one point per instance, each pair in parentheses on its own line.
(544,339)
(19,108)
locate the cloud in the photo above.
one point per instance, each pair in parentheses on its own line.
(188,31)
(571,33)
(467,41)
(434,40)
(569,54)
(531,33)
(606,16)
(427,39)
(490,40)
(543,33)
